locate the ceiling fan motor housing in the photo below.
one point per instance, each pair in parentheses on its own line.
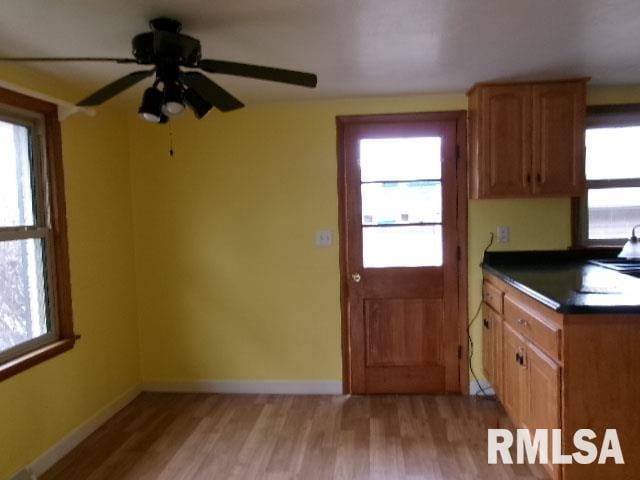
(152,48)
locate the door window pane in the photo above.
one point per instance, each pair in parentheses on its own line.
(16,195)
(401,202)
(613,212)
(402,246)
(613,153)
(413,158)
(22,292)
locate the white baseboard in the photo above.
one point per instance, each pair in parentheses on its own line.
(474,389)
(276,387)
(73,438)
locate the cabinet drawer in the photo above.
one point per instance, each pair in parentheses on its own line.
(492,296)
(532,325)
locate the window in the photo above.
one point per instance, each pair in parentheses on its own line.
(35,313)
(401,187)
(611,206)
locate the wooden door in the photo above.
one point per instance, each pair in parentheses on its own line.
(543,392)
(558,138)
(399,251)
(505,141)
(513,374)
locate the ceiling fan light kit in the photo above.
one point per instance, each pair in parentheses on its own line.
(167,50)
(151,108)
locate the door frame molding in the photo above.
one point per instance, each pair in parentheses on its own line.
(460,117)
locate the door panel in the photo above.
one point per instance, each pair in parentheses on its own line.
(402,332)
(399,251)
(506,141)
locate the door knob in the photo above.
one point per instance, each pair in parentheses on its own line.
(356,277)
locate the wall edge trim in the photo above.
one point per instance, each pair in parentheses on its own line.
(72,439)
(273,387)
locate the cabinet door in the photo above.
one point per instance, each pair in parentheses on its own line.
(558,138)
(514,374)
(543,392)
(489,346)
(505,141)
(492,347)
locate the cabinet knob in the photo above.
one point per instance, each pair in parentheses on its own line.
(356,277)
(522,321)
(486,324)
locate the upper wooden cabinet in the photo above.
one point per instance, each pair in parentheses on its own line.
(527,139)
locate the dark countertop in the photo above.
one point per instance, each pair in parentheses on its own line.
(566,281)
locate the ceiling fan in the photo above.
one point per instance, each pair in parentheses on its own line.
(169,51)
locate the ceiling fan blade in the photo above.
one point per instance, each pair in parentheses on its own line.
(211,92)
(114,88)
(196,103)
(263,73)
(68,59)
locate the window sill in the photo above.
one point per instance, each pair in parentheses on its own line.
(34,357)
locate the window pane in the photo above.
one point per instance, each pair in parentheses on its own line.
(16,204)
(613,212)
(413,158)
(402,246)
(403,202)
(22,292)
(613,153)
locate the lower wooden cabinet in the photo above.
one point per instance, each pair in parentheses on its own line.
(563,371)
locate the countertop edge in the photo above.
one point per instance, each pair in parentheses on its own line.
(523,288)
(554,305)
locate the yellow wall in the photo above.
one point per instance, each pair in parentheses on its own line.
(230,284)
(39,406)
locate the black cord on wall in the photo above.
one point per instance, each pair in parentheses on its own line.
(482,392)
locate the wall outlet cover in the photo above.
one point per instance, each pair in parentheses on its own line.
(324,238)
(503,234)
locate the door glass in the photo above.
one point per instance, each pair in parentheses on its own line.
(393,203)
(414,158)
(401,192)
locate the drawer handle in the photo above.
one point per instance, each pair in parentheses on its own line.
(485,322)
(520,358)
(522,321)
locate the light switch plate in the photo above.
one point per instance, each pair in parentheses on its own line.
(324,238)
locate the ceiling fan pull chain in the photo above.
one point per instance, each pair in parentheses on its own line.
(171,150)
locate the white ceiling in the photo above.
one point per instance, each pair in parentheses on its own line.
(357,47)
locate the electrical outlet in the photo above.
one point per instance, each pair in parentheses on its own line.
(324,238)
(503,234)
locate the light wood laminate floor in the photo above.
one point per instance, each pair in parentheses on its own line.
(203,436)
